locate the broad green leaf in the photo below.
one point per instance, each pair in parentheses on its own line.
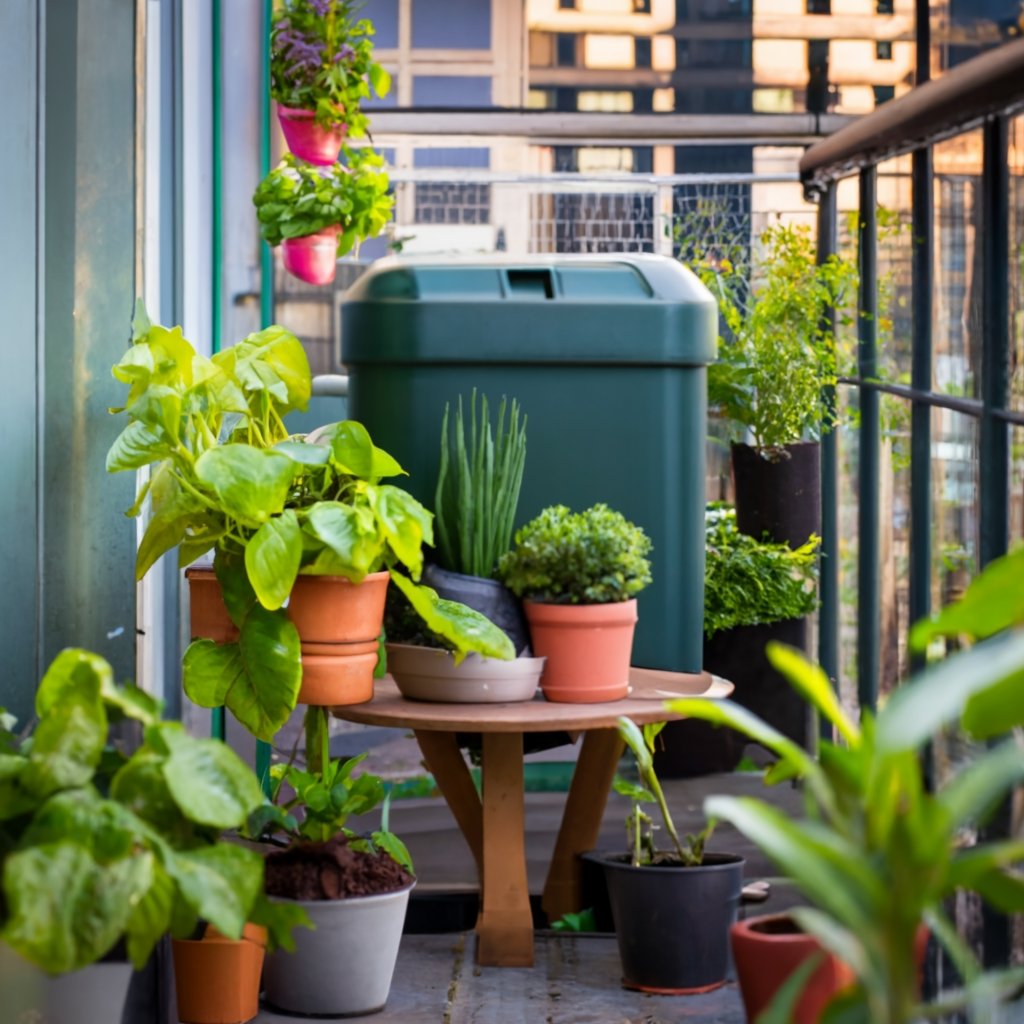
(394,848)
(150,918)
(140,787)
(220,883)
(14,800)
(65,910)
(173,355)
(272,558)
(108,830)
(235,587)
(132,702)
(271,360)
(989,866)
(407,525)
(141,324)
(380,80)
(849,1007)
(164,531)
(159,407)
(465,629)
(937,696)
(978,787)
(67,745)
(356,454)
(348,535)
(136,446)
(210,783)
(73,671)
(209,670)
(280,918)
(213,389)
(136,365)
(630,789)
(251,484)
(304,454)
(989,712)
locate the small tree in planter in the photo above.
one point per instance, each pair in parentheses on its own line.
(321,69)
(672,909)
(579,573)
(318,215)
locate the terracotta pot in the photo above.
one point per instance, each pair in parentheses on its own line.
(218,979)
(308,140)
(329,680)
(208,615)
(312,258)
(587,646)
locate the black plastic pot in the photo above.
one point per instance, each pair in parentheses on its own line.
(672,923)
(489,597)
(778,491)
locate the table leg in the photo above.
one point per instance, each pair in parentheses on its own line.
(444,759)
(581,821)
(505,926)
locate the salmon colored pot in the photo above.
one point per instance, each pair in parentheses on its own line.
(218,979)
(331,610)
(208,615)
(587,646)
(312,258)
(329,680)
(308,140)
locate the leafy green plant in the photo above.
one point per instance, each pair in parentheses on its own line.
(874,830)
(321,59)
(478,485)
(296,199)
(96,846)
(778,352)
(584,921)
(226,476)
(747,581)
(592,557)
(639,825)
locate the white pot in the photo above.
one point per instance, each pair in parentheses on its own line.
(344,967)
(427,673)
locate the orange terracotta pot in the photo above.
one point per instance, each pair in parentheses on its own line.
(218,979)
(208,615)
(587,646)
(331,610)
(343,677)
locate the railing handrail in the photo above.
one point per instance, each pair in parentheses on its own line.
(990,84)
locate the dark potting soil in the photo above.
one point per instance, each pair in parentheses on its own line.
(331,871)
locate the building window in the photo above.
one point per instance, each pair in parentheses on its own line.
(883,93)
(883,49)
(819,6)
(567,5)
(565,50)
(884,6)
(642,52)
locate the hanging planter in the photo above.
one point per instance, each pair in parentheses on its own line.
(307,138)
(312,258)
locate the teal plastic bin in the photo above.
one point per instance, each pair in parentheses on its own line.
(607,356)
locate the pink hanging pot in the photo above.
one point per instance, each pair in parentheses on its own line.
(312,258)
(308,140)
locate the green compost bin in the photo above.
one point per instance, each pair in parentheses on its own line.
(607,355)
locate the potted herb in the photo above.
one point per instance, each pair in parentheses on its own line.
(321,69)
(579,573)
(672,909)
(754,591)
(882,850)
(290,521)
(318,215)
(775,359)
(98,848)
(354,887)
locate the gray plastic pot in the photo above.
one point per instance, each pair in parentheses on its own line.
(672,923)
(344,967)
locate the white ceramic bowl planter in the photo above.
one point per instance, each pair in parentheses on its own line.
(430,674)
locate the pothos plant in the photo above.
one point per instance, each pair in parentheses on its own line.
(296,199)
(226,476)
(321,59)
(96,846)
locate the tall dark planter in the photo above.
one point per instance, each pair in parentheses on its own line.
(696,748)
(778,495)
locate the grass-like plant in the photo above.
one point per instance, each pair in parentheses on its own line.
(478,483)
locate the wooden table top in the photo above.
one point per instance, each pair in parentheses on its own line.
(650,688)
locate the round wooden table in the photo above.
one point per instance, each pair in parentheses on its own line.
(492,822)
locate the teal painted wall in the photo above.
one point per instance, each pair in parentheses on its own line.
(67,287)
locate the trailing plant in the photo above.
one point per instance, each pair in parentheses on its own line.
(296,199)
(226,476)
(747,581)
(321,59)
(478,485)
(874,828)
(592,557)
(778,351)
(96,846)
(639,825)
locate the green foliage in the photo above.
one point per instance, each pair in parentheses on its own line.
(225,475)
(639,825)
(778,351)
(747,581)
(873,828)
(478,486)
(96,846)
(321,59)
(592,557)
(296,199)
(584,921)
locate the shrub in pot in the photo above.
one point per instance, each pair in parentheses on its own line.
(319,214)
(579,573)
(672,909)
(881,851)
(321,69)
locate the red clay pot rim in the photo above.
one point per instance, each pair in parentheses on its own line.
(613,611)
(307,577)
(750,926)
(657,990)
